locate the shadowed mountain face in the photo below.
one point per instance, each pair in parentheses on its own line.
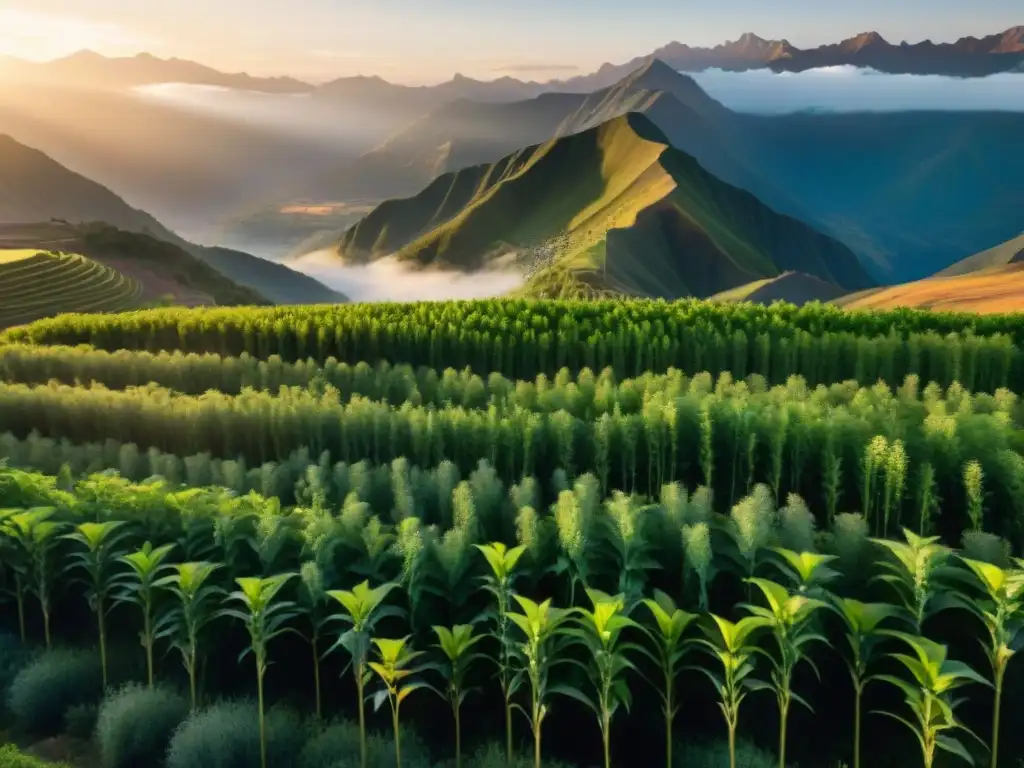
(35,188)
(908,192)
(611,209)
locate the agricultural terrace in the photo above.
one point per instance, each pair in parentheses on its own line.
(806,517)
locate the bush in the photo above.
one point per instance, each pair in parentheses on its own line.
(14,657)
(10,757)
(135,725)
(716,754)
(227,735)
(45,690)
(337,746)
(80,720)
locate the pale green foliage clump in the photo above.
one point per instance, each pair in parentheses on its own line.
(753,525)
(699,557)
(796,529)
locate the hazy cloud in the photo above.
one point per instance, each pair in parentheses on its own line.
(849,89)
(388,280)
(40,36)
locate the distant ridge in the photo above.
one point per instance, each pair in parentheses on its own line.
(35,188)
(1010,252)
(612,209)
(965,57)
(796,288)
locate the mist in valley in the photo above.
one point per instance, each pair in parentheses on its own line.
(389,280)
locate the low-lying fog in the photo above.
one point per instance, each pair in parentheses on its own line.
(388,280)
(850,89)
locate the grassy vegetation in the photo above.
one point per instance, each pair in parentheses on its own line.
(334,499)
(622,205)
(37,284)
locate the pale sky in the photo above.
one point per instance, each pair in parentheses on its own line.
(429,40)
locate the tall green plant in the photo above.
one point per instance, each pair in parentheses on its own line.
(265,619)
(195,607)
(863,621)
(312,599)
(16,558)
(456,644)
(789,617)
(669,647)
(499,582)
(929,696)
(539,649)
(137,585)
(1001,609)
(732,647)
(914,573)
(600,632)
(101,548)
(363,608)
(38,537)
(394,658)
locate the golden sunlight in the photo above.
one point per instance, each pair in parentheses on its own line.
(42,36)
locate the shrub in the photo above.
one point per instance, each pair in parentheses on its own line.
(14,657)
(226,735)
(135,725)
(716,754)
(986,547)
(337,746)
(10,757)
(45,690)
(80,720)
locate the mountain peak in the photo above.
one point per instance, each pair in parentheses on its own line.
(862,41)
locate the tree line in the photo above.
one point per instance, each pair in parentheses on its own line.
(521,339)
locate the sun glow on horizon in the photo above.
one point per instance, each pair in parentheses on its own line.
(43,36)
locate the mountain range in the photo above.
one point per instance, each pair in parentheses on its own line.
(909,192)
(611,209)
(965,57)
(45,205)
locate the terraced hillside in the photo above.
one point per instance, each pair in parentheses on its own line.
(614,209)
(37,284)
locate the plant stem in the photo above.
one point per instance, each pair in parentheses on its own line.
(783,718)
(398,739)
(192,675)
(147,633)
(606,727)
(732,746)
(259,703)
(996,710)
(316,680)
(21,608)
(46,622)
(508,730)
(458,737)
(362,716)
(103,639)
(856,727)
(668,734)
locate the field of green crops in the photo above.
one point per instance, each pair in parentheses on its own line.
(518,533)
(35,284)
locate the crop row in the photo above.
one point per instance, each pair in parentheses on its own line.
(893,456)
(522,339)
(642,586)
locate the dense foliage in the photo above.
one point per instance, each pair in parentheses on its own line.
(522,339)
(542,550)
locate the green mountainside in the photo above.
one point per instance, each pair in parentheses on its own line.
(908,192)
(611,209)
(35,188)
